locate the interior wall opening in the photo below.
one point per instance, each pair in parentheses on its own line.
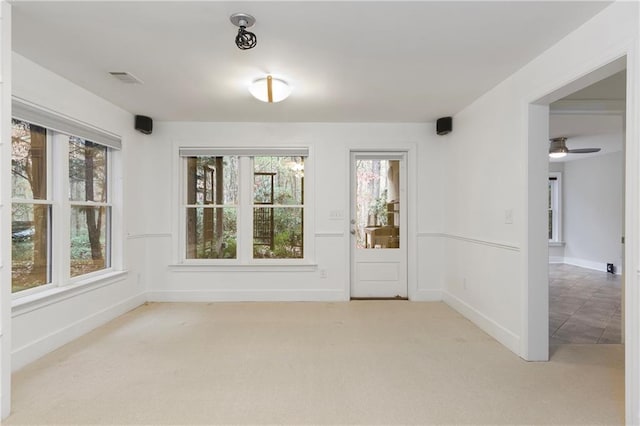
(586,214)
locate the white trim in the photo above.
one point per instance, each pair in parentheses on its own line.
(213,151)
(142,236)
(427,296)
(240,267)
(491,327)
(587,106)
(35,301)
(274,295)
(557,243)
(632,230)
(40,202)
(432,235)
(583,263)
(329,234)
(23,109)
(61,215)
(488,243)
(34,350)
(535,242)
(588,264)
(5,210)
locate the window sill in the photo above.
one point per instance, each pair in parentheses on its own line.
(38,300)
(255,267)
(556,243)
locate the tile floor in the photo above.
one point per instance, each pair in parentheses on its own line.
(584,305)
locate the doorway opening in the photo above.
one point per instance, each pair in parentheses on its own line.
(378,244)
(586,214)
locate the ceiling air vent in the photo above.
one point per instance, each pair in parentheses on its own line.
(126,77)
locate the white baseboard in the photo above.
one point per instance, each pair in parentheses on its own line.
(589,264)
(556,259)
(20,357)
(427,296)
(495,330)
(247,296)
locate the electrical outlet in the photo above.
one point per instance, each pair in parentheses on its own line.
(508,216)
(323,273)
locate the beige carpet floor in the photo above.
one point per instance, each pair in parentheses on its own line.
(364,362)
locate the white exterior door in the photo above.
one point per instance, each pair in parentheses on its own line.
(378,225)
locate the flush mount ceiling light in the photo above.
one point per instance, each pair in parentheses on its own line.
(558,148)
(270,89)
(245,40)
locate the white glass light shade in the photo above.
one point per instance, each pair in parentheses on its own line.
(557,154)
(280,90)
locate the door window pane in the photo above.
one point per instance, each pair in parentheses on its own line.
(377,203)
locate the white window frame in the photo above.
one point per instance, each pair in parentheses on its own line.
(58,197)
(244,239)
(555,181)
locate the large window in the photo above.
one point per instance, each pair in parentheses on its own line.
(211,209)
(61,210)
(554,204)
(278,207)
(243,206)
(90,210)
(31,207)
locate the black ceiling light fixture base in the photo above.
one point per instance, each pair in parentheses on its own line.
(245,40)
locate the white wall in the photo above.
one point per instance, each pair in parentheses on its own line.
(5,210)
(327,175)
(42,325)
(489,174)
(477,255)
(593,211)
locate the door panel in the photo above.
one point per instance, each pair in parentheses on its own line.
(378,230)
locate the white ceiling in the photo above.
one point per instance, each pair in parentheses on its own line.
(348,61)
(612,88)
(599,126)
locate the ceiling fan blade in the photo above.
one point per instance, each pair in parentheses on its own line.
(583,150)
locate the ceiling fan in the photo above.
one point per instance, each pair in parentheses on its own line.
(558,148)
